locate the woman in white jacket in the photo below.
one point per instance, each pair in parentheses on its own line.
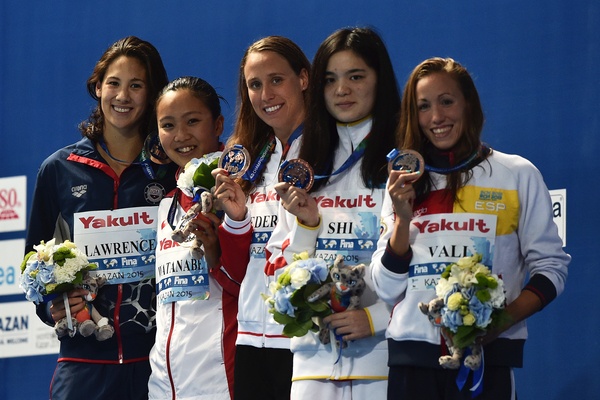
(470,199)
(272,87)
(354,104)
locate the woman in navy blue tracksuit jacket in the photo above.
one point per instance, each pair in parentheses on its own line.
(107,171)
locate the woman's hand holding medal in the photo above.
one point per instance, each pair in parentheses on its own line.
(229,196)
(405,167)
(296,177)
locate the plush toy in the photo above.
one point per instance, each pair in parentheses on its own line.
(453,361)
(181,234)
(344,292)
(87,321)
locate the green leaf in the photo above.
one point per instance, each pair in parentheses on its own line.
(202,176)
(483,295)
(27,256)
(320,306)
(465,336)
(446,273)
(297,329)
(282,319)
(54,288)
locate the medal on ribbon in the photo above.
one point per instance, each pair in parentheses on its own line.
(405,160)
(297,173)
(235,160)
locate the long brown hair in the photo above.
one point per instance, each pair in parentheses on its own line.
(156,76)
(250,131)
(410,135)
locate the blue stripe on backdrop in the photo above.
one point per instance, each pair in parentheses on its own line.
(535,65)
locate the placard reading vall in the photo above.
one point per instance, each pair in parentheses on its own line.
(121,242)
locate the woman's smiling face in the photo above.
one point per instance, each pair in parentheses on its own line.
(123,95)
(441,107)
(186,126)
(275,91)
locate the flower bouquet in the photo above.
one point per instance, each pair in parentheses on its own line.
(289,293)
(470,301)
(196,177)
(196,181)
(52,269)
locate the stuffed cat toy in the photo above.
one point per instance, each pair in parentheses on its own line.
(343,292)
(87,321)
(181,234)
(452,361)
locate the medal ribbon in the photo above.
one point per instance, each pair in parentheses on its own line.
(260,163)
(484,151)
(353,158)
(144,160)
(464,372)
(173,210)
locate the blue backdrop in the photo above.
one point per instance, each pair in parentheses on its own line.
(535,65)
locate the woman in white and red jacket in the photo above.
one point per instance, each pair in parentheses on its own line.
(196,296)
(272,100)
(470,199)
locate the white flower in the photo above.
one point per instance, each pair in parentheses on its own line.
(498,297)
(44,250)
(185,181)
(443,286)
(67,272)
(274,287)
(299,277)
(466,263)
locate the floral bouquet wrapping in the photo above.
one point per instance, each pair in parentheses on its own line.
(52,269)
(473,300)
(288,295)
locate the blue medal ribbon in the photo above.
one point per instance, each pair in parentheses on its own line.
(483,150)
(144,161)
(261,161)
(463,375)
(353,158)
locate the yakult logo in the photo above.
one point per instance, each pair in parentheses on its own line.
(472,225)
(263,197)
(340,202)
(109,221)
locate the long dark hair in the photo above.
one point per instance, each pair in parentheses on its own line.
(156,75)
(320,138)
(410,135)
(250,131)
